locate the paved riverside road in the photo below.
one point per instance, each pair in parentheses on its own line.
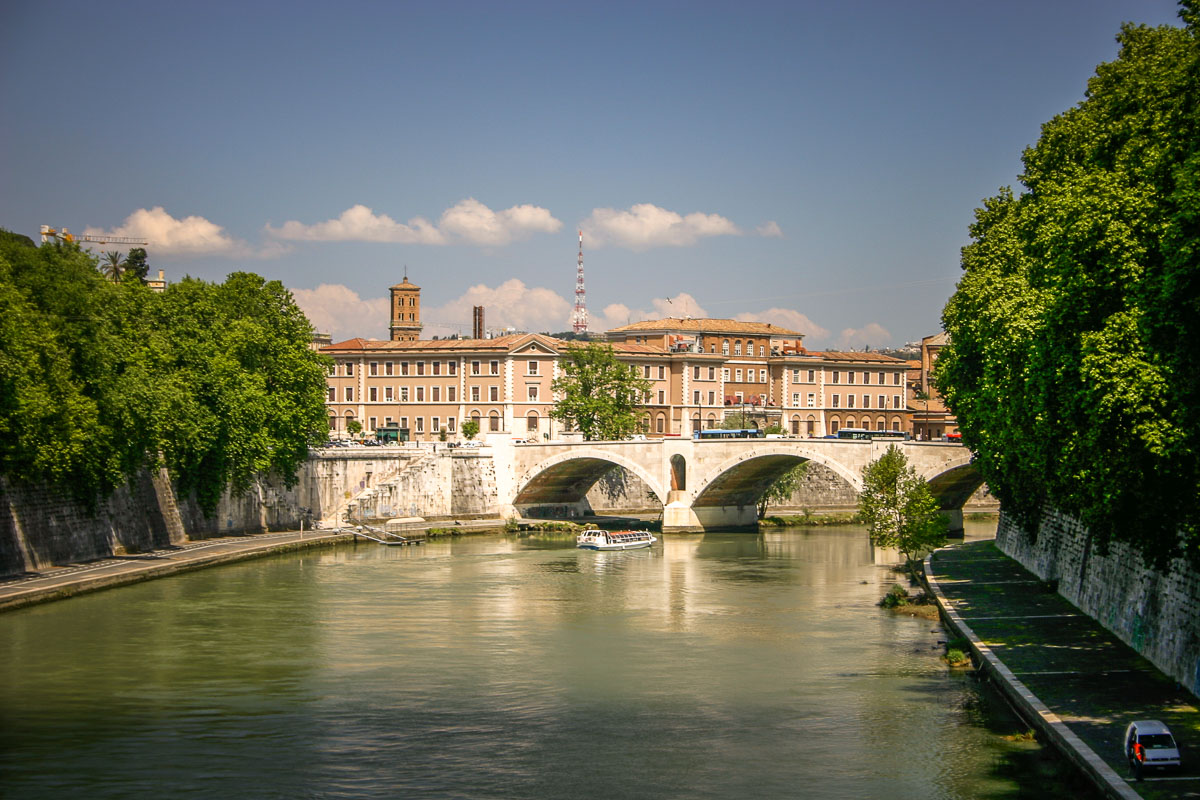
(1082,672)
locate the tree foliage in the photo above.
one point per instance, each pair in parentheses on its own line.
(99,380)
(898,508)
(782,488)
(597,393)
(469,428)
(1071,365)
(136,265)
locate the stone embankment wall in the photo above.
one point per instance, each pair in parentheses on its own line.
(1155,613)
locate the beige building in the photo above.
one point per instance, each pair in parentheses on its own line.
(931,419)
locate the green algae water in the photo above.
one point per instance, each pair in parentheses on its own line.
(710,666)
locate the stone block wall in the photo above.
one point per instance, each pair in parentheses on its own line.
(1154,613)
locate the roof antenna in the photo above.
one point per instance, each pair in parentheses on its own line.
(406,273)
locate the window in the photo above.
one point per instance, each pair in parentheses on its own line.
(533,394)
(403,394)
(882,401)
(349,367)
(661,372)
(437,368)
(762,376)
(725,374)
(387,394)
(333,369)
(660,424)
(738,373)
(866,401)
(403,367)
(387,420)
(494,422)
(837,401)
(795,399)
(332,394)
(373,394)
(837,376)
(420,394)
(374,367)
(533,368)
(812,400)
(420,367)
(895,378)
(737,348)
(404,422)
(435,425)
(451,367)
(420,424)
(795,376)
(762,350)
(474,394)
(435,394)
(866,378)
(712,373)
(712,398)
(849,402)
(661,397)
(494,367)
(696,373)
(812,376)
(531,422)
(349,394)
(387,368)
(452,422)
(896,401)
(696,397)
(494,393)
(737,396)
(451,391)
(474,367)
(725,347)
(879,378)
(849,376)
(371,424)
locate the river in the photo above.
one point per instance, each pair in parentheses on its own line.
(710,666)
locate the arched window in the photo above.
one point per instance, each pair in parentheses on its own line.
(834,424)
(850,422)
(711,422)
(332,422)
(737,347)
(812,425)
(725,347)
(660,424)
(895,423)
(531,422)
(795,425)
(696,422)
(880,424)
(678,473)
(493,421)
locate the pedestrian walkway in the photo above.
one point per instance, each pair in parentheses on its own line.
(1079,684)
(67,581)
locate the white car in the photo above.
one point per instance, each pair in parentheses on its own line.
(1160,746)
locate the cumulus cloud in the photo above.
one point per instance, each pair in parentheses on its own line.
(468,220)
(645,225)
(870,335)
(512,304)
(770,230)
(340,312)
(788,318)
(189,236)
(615,315)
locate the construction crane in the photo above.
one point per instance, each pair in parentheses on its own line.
(65,235)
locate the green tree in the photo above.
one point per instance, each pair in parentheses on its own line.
(469,428)
(898,508)
(782,488)
(113,265)
(1071,366)
(598,393)
(353,427)
(136,265)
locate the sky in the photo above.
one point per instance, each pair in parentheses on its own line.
(811,164)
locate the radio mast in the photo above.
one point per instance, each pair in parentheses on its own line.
(579,320)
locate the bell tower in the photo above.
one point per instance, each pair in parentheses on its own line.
(406,311)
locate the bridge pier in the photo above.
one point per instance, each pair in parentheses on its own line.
(678,517)
(954,516)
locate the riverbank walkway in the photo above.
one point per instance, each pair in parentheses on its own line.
(1075,680)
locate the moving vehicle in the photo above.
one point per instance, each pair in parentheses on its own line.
(727,433)
(596,539)
(1161,749)
(870,435)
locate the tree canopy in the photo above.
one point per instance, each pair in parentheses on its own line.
(1071,366)
(99,379)
(898,508)
(598,393)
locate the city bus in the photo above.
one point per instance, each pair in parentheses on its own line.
(869,435)
(727,433)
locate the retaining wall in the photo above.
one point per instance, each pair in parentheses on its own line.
(1154,613)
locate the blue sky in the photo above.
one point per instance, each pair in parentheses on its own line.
(810,164)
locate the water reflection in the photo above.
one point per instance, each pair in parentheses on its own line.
(711,665)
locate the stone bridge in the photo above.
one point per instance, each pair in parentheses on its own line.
(717,483)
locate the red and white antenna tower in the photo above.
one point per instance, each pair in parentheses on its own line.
(579,321)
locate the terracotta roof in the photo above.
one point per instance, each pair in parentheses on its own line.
(405,284)
(861,358)
(937,339)
(734,326)
(499,344)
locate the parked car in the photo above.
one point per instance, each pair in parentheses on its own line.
(1161,749)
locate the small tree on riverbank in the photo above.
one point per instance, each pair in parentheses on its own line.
(898,508)
(783,487)
(597,393)
(469,428)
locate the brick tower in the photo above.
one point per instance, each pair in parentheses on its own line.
(406,311)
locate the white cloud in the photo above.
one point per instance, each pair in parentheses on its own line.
(512,304)
(645,225)
(340,312)
(469,221)
(770,230)
(870,335)
(787,318)
(189,236)
(615,315)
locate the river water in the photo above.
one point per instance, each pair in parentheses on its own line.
(710,666)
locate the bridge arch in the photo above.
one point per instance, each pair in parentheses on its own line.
(953,482)
(565,478)
(741,480)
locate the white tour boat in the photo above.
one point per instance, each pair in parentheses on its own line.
(596,539)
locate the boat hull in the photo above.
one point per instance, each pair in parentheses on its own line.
(628,546)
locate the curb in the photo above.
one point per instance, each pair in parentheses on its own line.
(88,584)
(1033,710)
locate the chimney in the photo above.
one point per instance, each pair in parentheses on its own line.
(476,322)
